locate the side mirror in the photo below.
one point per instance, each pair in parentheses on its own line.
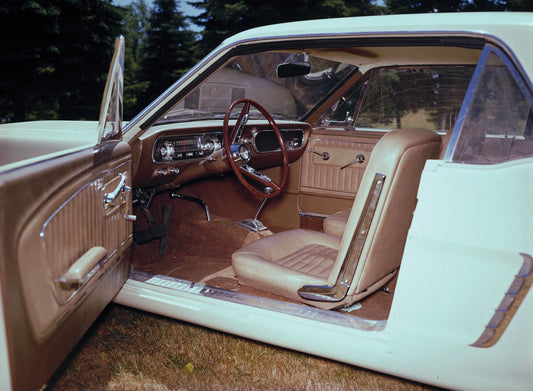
(293,69)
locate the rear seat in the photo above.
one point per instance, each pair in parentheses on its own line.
(335,223)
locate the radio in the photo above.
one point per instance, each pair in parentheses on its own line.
(186,147)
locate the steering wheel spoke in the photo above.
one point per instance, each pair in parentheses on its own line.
(244,172)
(241,121)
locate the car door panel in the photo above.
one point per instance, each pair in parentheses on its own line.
(53,218)
(325,186)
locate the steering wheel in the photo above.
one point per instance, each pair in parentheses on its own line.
(238,157)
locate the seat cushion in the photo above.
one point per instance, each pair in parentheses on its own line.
(284,262)
(336,223)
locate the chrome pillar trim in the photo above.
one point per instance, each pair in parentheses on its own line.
(339,291)
(510,303)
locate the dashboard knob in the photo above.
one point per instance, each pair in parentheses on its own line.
(167,152)
(244,153)
(294,143)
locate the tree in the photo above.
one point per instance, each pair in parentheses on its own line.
(168,51)
(499,5)
(27,54)
(135,27)
(54,57)
(87,31)
(421,6)
(223,18)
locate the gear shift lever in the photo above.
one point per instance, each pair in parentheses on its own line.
(254,224)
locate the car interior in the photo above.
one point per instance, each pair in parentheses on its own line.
(314,205)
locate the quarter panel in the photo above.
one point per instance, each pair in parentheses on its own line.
(461,256)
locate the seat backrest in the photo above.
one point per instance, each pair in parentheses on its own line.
(376,231)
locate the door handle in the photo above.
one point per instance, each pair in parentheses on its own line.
(109,198)
(79,271)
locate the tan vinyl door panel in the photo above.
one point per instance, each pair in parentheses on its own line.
(65,253)
(326,187)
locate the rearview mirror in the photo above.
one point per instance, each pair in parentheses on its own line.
(293,69)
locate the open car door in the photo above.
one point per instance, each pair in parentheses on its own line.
(65,244)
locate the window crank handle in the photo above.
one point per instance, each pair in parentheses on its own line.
(358,159)
(324,155)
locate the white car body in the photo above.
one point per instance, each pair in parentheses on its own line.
(450,257)
(469,238)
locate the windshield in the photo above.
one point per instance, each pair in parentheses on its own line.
(254,76)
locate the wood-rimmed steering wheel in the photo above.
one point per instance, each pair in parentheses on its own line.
(239,163)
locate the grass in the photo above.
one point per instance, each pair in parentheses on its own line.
(133,350)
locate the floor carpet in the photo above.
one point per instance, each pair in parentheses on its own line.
(200,250)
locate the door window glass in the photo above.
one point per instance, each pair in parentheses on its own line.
(402,97)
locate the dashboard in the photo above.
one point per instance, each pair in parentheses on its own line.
(172,154)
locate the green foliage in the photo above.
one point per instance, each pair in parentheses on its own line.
(169,48)
(27,58)
(86,40)
(223,18)
(54,57)
(135,26)
(54,54)
(499,5)
(420,6)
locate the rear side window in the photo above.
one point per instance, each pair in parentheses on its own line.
(498,122)
(401,97)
